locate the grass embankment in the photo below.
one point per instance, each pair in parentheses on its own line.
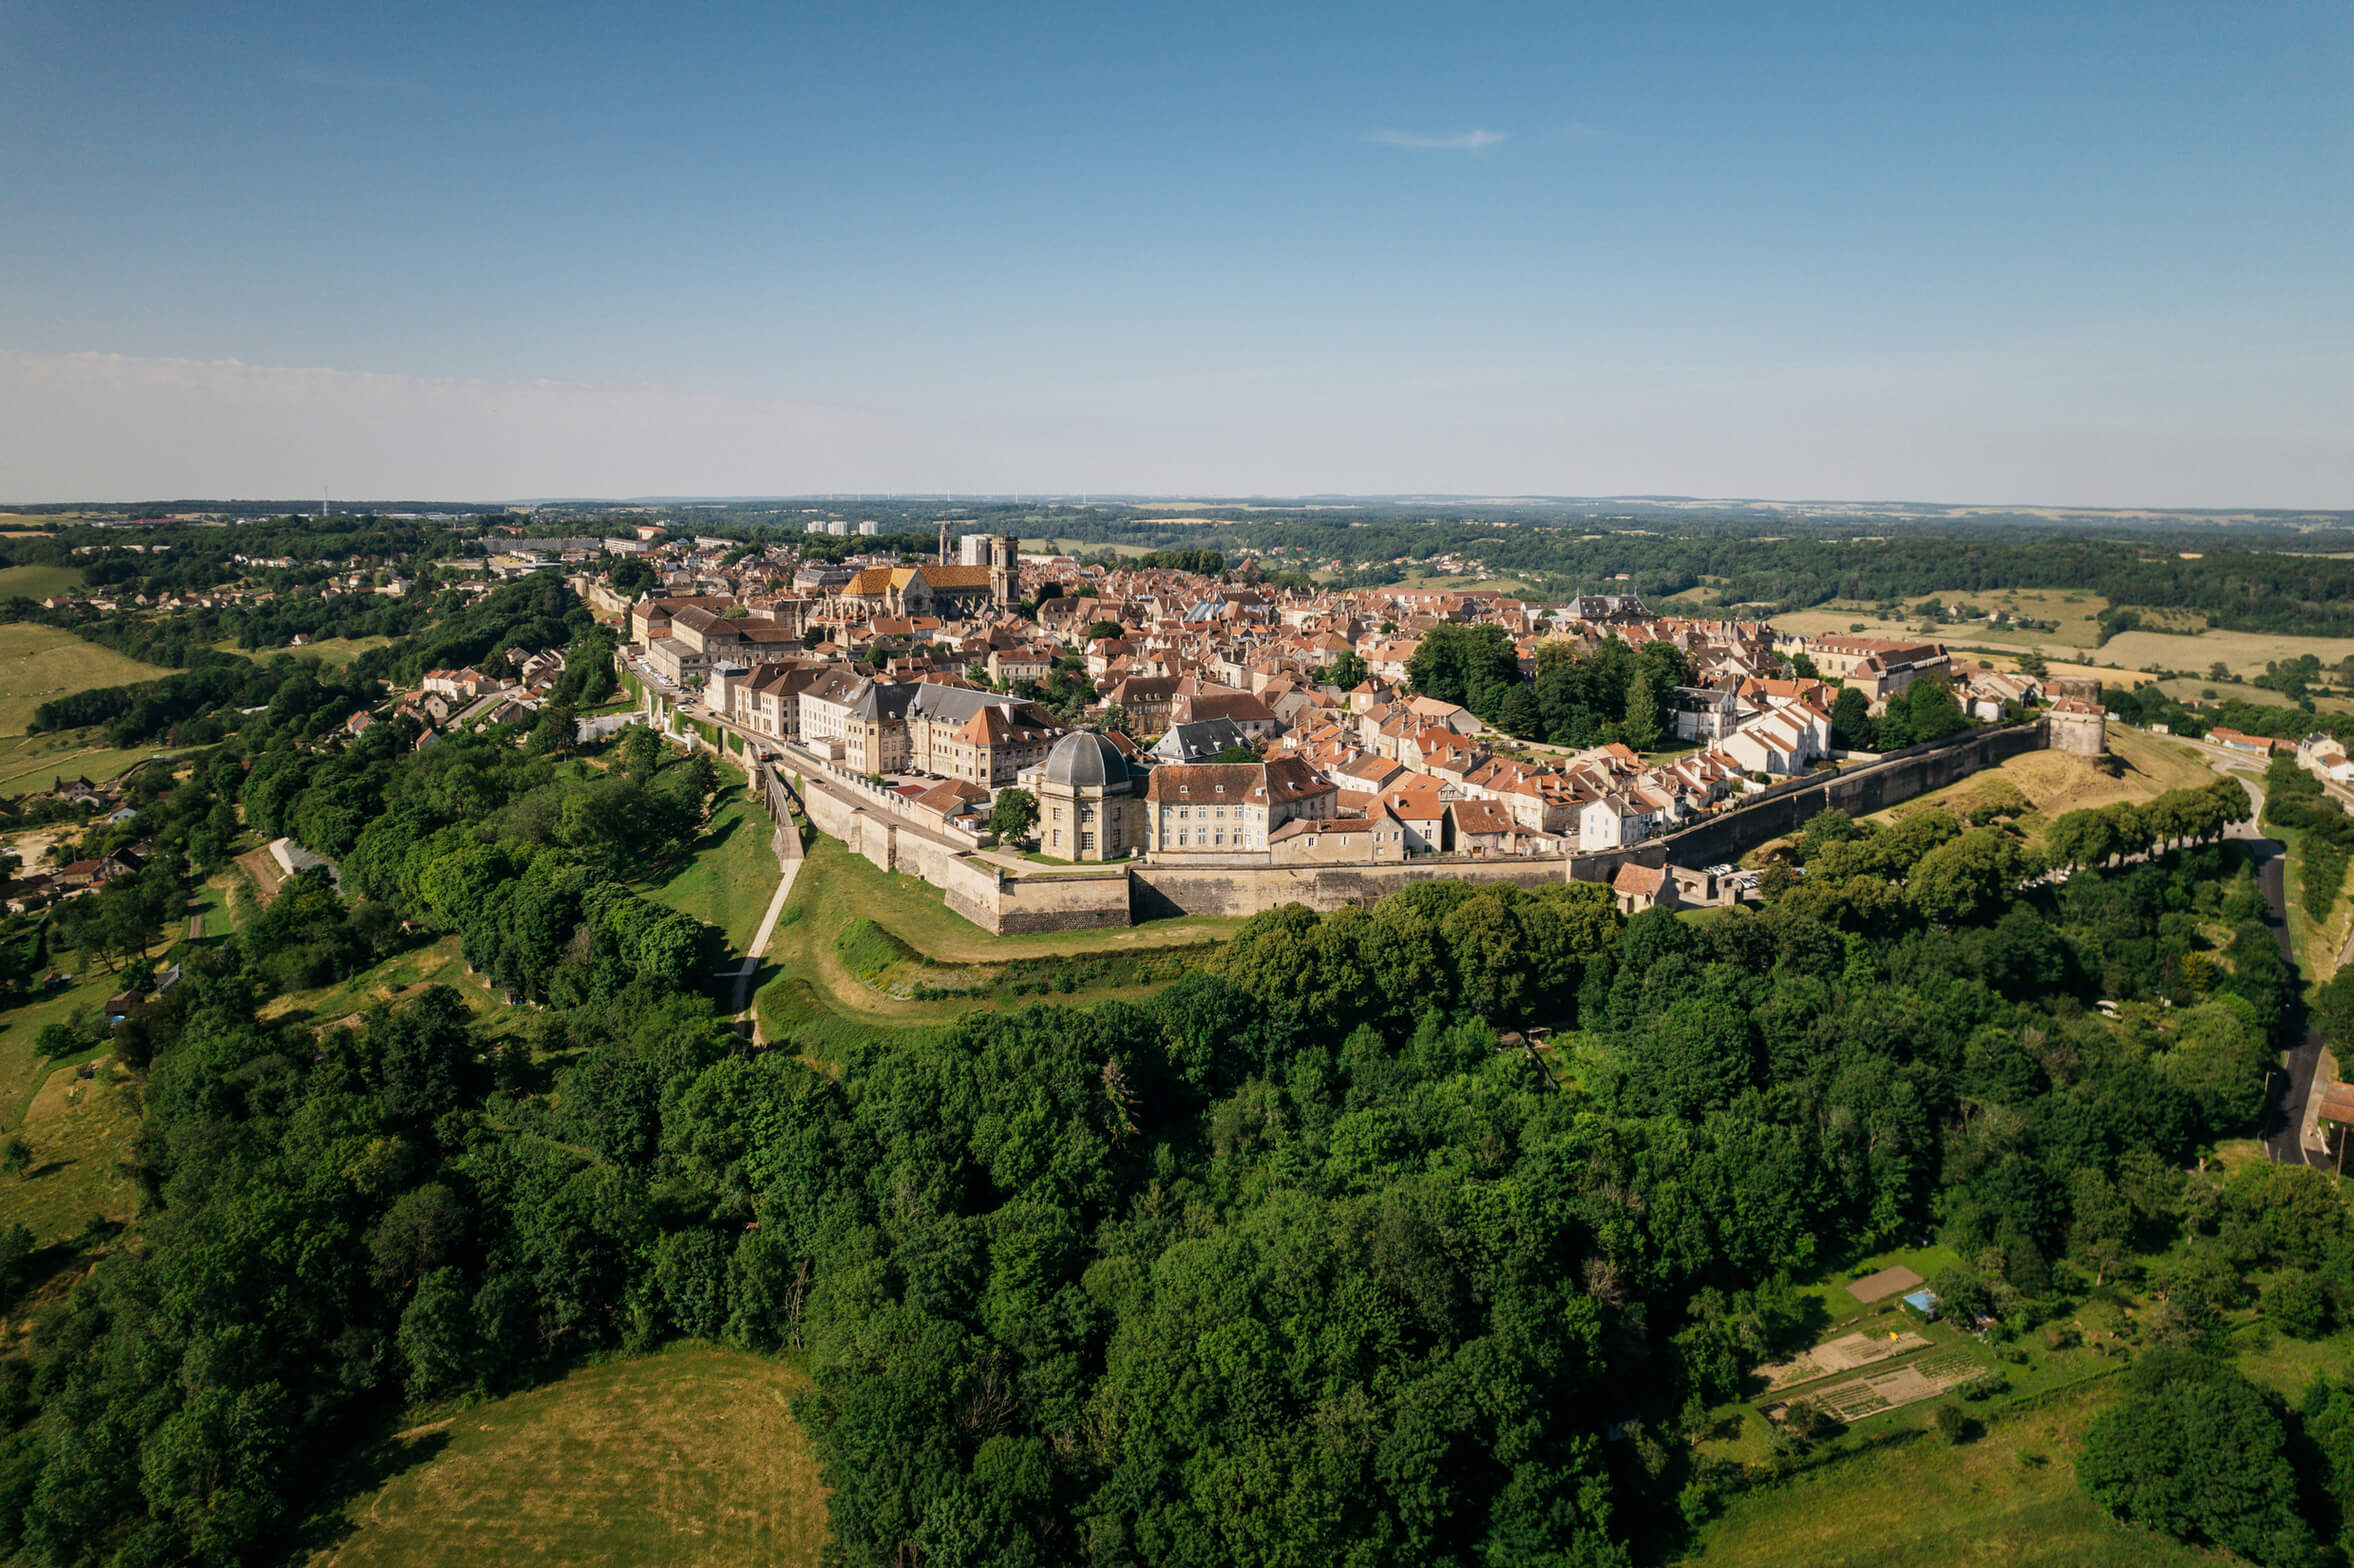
(688,1457)
(40,662)
(855,943)
(2037,786)
(727,879)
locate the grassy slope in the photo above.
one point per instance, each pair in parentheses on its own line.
(812,996)
(729,878)
(41,662)
(436,963)
(334,650)
(2011,1498)
(32,764)
(2053,782)
(689,1457)
(39,582)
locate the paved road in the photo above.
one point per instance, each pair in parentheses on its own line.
(2288,1113)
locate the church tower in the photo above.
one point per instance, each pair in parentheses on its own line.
(1005,571)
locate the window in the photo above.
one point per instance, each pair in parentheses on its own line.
(1086,841)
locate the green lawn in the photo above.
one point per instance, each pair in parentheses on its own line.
(730,875)
(691,1456)
(40,662)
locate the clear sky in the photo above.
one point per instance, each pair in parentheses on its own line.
(2044,252)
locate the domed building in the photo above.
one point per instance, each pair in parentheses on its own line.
(1090,798)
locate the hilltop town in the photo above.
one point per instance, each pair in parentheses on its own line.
(1050,711)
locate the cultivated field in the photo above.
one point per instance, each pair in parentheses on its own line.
(688,1459)
(2168,639)
(2192,688)
(41,662)
(2245,653)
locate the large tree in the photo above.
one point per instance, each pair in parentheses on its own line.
(2195,1451)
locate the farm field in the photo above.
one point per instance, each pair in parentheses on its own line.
(729,876)
(2246,653)
(2165,642)
(2190,688)
(41,662)
(38,582)
(688,1459)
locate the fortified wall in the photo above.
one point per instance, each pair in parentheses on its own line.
(879,826)
(1896,778)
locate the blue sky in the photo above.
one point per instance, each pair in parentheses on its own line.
(2088,254)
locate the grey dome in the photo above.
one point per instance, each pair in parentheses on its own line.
(1085,759)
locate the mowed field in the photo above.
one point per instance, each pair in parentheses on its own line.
(41,662)
(688,1459)
(2195,688)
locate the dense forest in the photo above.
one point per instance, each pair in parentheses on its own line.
(1299,1259)
(1303,1258)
